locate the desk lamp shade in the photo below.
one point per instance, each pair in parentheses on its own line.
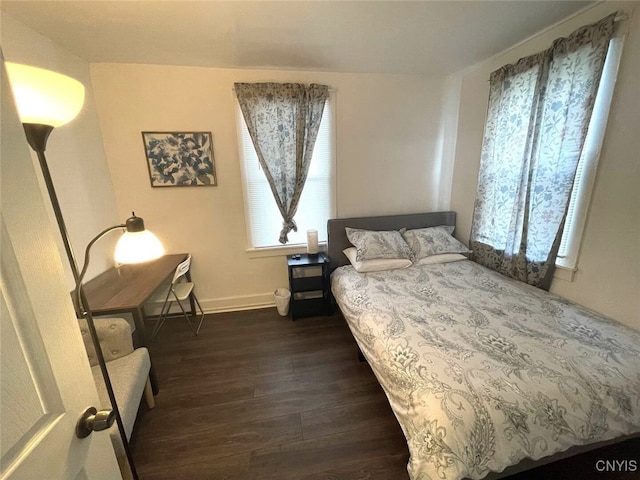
(44,97)
(137,245)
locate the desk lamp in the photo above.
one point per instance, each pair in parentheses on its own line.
(136,245)
(46,100)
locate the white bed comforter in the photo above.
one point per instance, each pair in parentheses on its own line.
(482,371)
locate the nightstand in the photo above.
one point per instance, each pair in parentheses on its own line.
(309,285)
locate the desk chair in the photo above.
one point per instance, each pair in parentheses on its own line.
(178,291)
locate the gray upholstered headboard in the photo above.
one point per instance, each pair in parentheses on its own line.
(337,237)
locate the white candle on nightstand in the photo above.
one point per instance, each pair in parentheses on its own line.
(312,241)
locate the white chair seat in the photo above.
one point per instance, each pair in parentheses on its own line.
(128,376)
(128,371)
(183,290)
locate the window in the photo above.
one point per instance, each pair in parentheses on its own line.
(317,203)
(587,166)
(540,111)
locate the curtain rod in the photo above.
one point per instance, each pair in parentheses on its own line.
(331,90)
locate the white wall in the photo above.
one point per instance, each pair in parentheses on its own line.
(387,139)
(608,276)
(394,145)
(75,153)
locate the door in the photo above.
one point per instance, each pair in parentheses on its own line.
(45,378)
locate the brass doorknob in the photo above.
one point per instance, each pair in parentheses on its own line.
(93,420)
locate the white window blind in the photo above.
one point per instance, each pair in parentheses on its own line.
(587,166)
(317,203)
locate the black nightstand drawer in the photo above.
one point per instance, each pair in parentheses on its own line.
(307,284)
(309,307)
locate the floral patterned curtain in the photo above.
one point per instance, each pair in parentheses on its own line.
(539,111)
(283,121)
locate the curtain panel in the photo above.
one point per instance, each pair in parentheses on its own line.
(537,119)
(283,121)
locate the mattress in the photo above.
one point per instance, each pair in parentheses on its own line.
(482,371)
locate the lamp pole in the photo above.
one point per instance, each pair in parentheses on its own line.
(37,135)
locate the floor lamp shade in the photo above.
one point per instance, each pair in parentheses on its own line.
(44,97)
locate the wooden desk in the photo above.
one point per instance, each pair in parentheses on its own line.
(125,289)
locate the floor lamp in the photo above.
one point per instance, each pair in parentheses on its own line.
(46,100)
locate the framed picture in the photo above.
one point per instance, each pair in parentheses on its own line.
(180,159)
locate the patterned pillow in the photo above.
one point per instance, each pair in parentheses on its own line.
(433,241)
(372,244)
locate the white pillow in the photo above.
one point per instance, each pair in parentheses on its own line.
(425,242)
(375,265)
(441,258)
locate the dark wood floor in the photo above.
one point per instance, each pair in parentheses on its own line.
(256,397)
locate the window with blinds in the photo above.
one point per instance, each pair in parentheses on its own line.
(587,166)
(317,203)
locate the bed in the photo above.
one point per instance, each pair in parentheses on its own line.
(486,376)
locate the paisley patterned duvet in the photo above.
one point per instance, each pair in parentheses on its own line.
(482,371)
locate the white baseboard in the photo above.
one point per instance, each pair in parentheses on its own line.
(237,303)
(225,304)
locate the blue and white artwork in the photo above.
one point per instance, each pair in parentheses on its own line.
(180,159)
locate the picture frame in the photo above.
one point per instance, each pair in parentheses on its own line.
(180,159)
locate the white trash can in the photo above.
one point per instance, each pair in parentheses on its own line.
(282,297)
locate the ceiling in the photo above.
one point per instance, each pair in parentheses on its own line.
(410,37)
